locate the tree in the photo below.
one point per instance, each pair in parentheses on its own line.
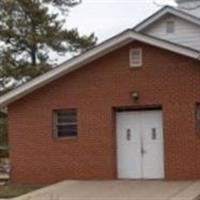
(29,31)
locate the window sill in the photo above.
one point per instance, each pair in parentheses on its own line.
(66,138)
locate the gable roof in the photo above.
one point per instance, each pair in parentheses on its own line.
(164,11)
(104,48)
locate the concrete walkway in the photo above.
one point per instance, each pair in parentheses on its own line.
(117,190)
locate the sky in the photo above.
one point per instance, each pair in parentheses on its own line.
(107,18)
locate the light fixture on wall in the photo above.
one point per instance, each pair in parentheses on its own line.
(134,95)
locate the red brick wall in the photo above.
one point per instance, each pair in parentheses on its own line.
(166,79)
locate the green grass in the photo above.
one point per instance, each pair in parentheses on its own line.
(14,190)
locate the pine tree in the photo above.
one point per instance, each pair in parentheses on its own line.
(29,31)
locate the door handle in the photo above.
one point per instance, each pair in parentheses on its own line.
(153,134)
(128,134)
(143,151)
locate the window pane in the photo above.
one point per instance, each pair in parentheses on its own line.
(67,130)
(67,116)
(65,123)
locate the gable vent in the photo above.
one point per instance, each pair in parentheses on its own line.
(135,57)
(170,26)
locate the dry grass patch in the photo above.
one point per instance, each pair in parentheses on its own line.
(13,190)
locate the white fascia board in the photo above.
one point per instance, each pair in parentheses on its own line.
(161,13)
(71,65)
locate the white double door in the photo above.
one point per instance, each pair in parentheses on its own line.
(140,145)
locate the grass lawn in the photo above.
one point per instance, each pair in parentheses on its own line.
(13,190)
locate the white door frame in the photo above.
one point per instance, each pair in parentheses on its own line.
(162,148)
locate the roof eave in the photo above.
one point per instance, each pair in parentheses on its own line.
(73,64)
(97,52)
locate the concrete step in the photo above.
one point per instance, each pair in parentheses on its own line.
(190,193)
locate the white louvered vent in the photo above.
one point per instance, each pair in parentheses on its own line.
(170,26)
(135,57)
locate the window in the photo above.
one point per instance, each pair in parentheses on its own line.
(65,123)
(198,118)
(135,57)
(170,26)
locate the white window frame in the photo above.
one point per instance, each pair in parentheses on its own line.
(137,63)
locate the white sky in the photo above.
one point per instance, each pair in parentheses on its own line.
(109,17)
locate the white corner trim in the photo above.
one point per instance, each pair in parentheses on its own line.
(162,12)
(95,53)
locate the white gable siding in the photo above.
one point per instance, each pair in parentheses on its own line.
(186,33)
(191,7)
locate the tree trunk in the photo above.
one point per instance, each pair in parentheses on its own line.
(33,56)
